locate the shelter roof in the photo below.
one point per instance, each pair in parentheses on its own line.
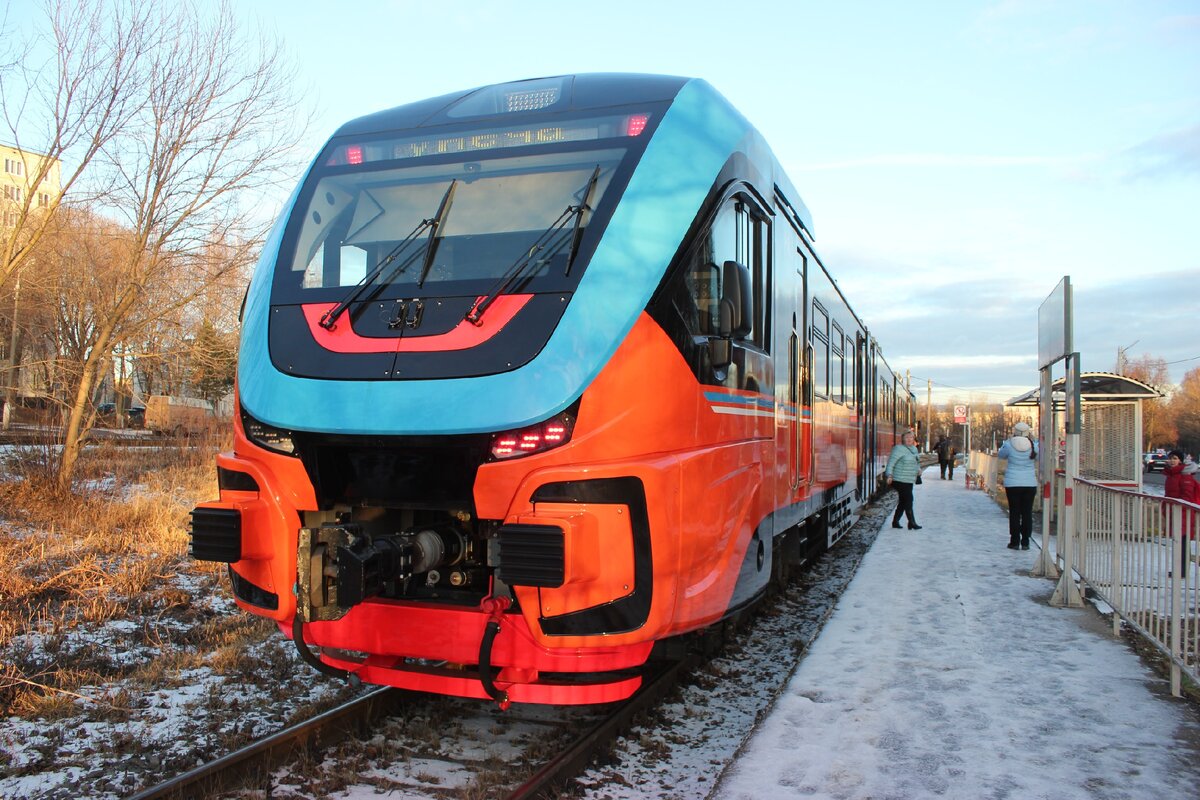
(1094,387)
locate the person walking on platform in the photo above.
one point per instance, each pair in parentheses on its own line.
(1181,485)
(1020,484)
(903,471)
(945,453)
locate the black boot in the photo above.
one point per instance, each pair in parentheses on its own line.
(912,526)
(895,523)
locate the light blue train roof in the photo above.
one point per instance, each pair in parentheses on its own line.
(696,136)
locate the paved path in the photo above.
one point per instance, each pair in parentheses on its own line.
(945,673)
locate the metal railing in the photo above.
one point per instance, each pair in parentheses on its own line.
(981,471)
(1136,552)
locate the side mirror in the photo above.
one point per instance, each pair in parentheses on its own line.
(736,291)
(720,347)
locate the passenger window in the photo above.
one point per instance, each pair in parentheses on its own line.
(837,375)
(820,345)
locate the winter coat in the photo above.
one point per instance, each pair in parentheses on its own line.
(1181,483)
(1021,469)
(903,464)
(945,451)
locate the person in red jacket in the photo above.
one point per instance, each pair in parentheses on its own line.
(1181,478)
(1181,485)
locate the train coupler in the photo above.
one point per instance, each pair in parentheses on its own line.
(494,607)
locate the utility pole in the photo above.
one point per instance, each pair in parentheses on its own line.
(1121,356)
(928,409)
(908,393)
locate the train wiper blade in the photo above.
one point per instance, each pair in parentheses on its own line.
(435,232)
(584,208)
(330,317)
(551,241)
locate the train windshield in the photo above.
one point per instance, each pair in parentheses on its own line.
(369,212)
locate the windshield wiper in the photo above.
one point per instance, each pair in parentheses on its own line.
(584,208)
(552,241)
(330,317)
(435,235)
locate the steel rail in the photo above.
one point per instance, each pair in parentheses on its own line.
(574,759)
(228,771)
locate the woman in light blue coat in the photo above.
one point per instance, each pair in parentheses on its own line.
(1020,484)
(903,470)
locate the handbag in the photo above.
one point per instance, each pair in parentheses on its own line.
(918,480)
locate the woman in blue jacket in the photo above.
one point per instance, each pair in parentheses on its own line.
(903,470)
(1020,484)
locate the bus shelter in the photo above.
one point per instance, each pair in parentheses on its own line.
(1110,444)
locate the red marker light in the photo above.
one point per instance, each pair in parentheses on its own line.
(354,154)
(636,124)
(533,439)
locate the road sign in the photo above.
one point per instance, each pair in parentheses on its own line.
(960,415)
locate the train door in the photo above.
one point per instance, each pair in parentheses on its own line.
(861,417)
(799,385)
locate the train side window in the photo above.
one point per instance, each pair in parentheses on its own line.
(751,249)
(837,364)
(738,233)
(819,339)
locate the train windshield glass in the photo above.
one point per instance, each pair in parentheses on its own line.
(365,218)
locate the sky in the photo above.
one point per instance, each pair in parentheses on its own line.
(959,159)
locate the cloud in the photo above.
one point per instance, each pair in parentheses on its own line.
(980,335)
(1170,154)
(949,160)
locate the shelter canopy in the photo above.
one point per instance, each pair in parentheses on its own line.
(1093,387)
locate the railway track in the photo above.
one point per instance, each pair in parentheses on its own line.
(427,746)
(575,737)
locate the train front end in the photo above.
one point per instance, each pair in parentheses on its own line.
(451,467)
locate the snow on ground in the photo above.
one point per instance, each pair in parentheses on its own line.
(945,673)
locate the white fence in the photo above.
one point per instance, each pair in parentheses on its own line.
(1136,552)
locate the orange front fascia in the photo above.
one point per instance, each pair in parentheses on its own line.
(453,633)
(598,557)
(270,519)
(708,484)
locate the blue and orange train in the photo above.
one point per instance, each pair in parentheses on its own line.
(534,377)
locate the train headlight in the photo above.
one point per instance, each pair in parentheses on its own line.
(270,438)
(538,438)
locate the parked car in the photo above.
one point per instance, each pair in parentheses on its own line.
(106,415)
(1157,462)
(178,416)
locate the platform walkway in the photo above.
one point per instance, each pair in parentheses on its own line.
(945,673)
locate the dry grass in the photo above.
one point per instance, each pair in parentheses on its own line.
(79,566)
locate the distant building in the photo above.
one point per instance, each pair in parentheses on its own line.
(17,188)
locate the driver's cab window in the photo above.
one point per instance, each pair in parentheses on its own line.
(737,233)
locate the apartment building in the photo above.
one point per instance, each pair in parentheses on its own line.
(17,182)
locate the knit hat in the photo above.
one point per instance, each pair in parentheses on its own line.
(1021,429)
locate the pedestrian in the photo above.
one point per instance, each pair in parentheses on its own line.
(1181,485)
(1020,484)
(903,471)
(946,453)
(1181,478)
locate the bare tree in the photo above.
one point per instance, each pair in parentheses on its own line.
(217,120)
(1158,430)
(65,92)
(1185,411)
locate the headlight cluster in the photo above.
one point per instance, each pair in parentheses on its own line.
(263,435)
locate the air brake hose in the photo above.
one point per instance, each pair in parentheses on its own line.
(495,607)
(311,658)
